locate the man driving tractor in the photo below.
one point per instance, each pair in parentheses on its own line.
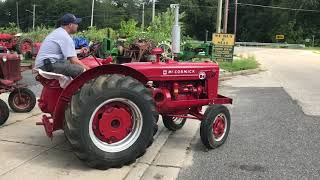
(57,53)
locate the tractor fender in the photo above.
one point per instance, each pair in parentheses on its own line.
(73,87)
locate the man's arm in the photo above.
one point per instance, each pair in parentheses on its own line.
(75,60)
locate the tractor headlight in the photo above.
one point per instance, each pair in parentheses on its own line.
(4,58)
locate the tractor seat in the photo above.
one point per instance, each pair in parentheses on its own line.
(64,81)
(6,82)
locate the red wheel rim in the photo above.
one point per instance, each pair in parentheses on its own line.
(219,127)
(26,47)
(112,122)
(21,101)
(115,125)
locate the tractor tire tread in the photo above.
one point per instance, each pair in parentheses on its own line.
(73,119)
(206,125)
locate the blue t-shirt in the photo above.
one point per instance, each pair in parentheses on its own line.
(57,46)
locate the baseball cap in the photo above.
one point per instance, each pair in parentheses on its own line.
(69,18)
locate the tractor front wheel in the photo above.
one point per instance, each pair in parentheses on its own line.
(22,100)
(110,122)
(173,123)
(215,126)
(4,112)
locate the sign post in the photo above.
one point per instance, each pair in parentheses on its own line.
(223,46)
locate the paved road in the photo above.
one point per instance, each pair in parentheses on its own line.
(29,79)
(275,125)
(295,70)
(270,138)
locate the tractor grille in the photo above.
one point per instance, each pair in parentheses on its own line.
(10,69)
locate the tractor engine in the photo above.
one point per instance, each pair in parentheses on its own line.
(179,87)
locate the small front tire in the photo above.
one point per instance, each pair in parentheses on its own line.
(22,100)
(215,126)
(173,123)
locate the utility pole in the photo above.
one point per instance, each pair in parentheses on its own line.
(313,36)
(226,14)
(142,24)
(153,9)
(92,9)
(34,16)
(219,16)
(206,40)
(17,14)
(235,17)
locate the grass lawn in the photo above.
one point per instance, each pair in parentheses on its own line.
(313,48)
(27,61)
(317,52)
(240,64)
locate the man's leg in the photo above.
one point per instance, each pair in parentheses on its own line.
(67,69)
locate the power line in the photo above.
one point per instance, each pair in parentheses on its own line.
(191,6)
(278,7)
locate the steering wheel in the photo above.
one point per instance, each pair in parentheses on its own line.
(93,49)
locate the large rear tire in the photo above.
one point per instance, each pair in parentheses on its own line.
(111,121)
(25,47)
(4,112)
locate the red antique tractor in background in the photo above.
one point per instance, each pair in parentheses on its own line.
(16,43)
(109,113)
(20,99)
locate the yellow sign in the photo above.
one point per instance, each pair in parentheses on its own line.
(279,37)
(223,39)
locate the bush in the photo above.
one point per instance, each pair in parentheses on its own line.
(97,35)
(159,31)
(39,34)
(128,29)
(11,29)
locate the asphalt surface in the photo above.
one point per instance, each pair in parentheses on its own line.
(294,70)
(270,138)
(29,79)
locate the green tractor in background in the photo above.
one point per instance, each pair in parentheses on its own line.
(190,50)
(108,48)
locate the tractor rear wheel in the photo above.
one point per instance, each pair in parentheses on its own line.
(25,47)
(4,112)
(111,121)
(215,126)
(22,100)
(173,123)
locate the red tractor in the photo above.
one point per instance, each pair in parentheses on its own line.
(20,99)
(16,43)
(109,113)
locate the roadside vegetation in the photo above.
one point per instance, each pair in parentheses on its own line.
(243,63)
